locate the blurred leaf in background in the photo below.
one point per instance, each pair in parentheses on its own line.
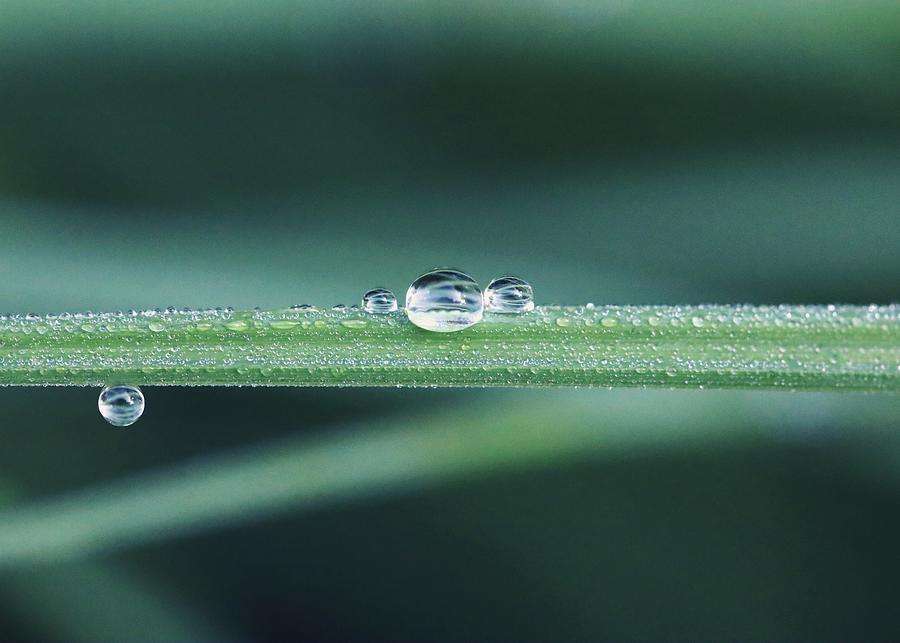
(271,153)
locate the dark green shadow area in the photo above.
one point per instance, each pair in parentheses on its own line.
(760,542)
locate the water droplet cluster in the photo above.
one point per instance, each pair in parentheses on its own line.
(447,300)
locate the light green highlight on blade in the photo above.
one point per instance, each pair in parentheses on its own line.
(402,455)
(382,457)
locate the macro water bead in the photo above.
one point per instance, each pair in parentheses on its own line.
(121,405)
(508,295)
(379,300)
(444,301)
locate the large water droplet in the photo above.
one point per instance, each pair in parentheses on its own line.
(121,405)
(444,300)
(379,300)
(508,295)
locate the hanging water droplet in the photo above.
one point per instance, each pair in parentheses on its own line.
(444,300)
(379,300)
(508,295)
(121,405)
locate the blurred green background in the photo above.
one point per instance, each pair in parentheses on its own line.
(201,153)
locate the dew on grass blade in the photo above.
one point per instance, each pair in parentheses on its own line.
(379,300)
(508,295)
(444,300)
(121,405)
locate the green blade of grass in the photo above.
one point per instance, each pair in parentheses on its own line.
(794,347)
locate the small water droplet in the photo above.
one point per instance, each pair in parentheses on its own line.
(508,295)
(121,405)
(444,300)
(698,322)
(339,307)
(302,307)
(379,300)
(237,325)
(354,323)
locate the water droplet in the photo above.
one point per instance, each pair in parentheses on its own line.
(698,322)
(354,323)
(508,295)
(121,405)
(283,324)
(444,300)
(339,307)
(237,325)
(379,300)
